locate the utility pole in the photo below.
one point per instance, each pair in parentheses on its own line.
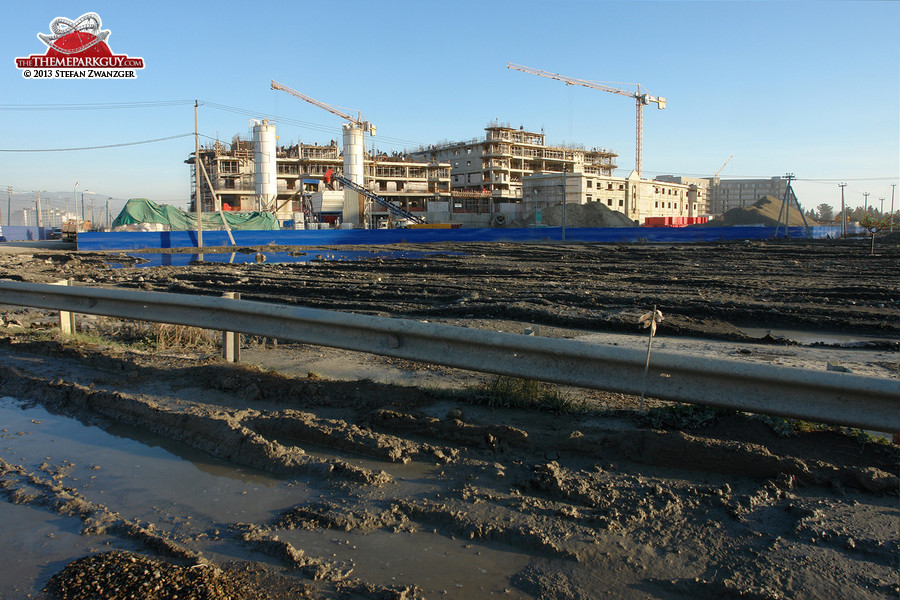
(866,202)
(37,204)
(843,212)
(881,210)
(564,190)
(197,181)
(9,204)
(893,185)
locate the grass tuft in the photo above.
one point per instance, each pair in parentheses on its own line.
(515,392)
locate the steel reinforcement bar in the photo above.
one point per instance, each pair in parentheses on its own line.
(819,396)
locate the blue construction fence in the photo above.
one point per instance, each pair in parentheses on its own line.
(22,233)
(342,237)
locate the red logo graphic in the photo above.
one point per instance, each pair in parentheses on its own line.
(78,49)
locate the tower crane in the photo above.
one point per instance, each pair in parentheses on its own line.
(641,99)
(357,120)
(723,166)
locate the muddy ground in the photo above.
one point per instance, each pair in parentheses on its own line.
(388,479)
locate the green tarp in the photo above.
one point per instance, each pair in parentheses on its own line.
(142,210)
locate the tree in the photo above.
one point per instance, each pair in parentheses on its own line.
(874,224)
(826,212)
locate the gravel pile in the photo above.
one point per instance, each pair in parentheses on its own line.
(764,211)
(123,575)
(591,214)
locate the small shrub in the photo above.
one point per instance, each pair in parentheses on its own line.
(683,416)
(183,336)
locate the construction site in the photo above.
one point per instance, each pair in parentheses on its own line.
(507,178)
(473,369)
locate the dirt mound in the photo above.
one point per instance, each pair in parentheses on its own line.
(764,211)
(592,214)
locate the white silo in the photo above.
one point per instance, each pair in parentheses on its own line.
(354,170)
(266,176)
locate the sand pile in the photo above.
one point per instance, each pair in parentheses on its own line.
(592,214)
(764,211)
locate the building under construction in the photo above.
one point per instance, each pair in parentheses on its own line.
(498,163)
(256,174)
(502,179)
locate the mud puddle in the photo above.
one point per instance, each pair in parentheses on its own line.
(202,504)
(179,492)
(822,338)
(442,567)
(37,544)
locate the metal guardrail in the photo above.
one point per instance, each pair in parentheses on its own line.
(819,396)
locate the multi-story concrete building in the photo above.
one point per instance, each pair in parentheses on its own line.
(725,194)
(702,206)
(300,171)
(636,198)
(499,163)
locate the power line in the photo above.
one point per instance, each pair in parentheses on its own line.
(295,122)
(104,106)
(171,137)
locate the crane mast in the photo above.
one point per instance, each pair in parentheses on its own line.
(641,99)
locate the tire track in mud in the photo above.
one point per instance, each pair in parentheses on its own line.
(217,432)
(707,512)
(707,289)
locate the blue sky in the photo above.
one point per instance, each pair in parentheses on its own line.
(811,88)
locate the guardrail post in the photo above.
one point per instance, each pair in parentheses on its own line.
(231,341)
(66,318)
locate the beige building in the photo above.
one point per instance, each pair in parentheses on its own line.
(702,207)
(636,198)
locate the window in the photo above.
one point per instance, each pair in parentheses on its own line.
(590,184)
(468,151)
(621,203)
(656,204)
(229,166)
(609,186)
(589,199)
